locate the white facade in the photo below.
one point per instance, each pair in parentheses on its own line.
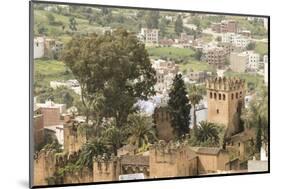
(235,39)
(165,73)
(266,73)
(254,60)
(149,35)
(39,47)
(71,84)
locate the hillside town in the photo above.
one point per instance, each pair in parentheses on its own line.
(126,94)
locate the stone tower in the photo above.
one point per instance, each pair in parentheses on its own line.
(225,102)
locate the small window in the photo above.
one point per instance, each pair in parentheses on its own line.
(211,95)
(238,144)
(215,95)
(223,96)
(232,96)
(219,96)
(236,95)
(218,111)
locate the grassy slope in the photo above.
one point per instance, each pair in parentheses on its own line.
(195,66)
(170,52)
(51,70)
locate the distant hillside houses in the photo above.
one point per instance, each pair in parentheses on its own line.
(225,26)
(149,36)
(71,84)
(237,40)
(165,73)
(46,47)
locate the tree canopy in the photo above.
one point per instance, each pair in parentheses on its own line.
(115,65)
(179,107)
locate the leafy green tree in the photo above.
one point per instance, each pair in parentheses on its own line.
(152,19)
(114,136)
(162,27)
(42,30)
(195,94)
(179,25)
(259,135)
(179,107)
(251,46)
(51,18)
(255,116)
(141,130)
(72,24)
(198,54)
(117,66)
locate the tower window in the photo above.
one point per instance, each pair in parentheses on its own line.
(218,111)
(236,95)
(215,95)
(232,96)
(223,96)
(211,95)
(219,96)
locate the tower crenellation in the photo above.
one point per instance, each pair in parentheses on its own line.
(225,97)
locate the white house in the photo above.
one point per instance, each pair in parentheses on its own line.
(150,36)
(235,39)
(39,47)
(253,60)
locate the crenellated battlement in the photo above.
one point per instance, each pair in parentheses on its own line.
(225,83)
(106,168)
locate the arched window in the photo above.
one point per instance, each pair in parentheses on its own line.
(211,95)
(218,111)
(236,95)
(215,95)
(232,96)
(219,96)
(223,96)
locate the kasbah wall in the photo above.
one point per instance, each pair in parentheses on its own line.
(166,159)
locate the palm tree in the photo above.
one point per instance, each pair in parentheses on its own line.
(208,134)
(114,136)
(195,94)
(141,131)
(91,149)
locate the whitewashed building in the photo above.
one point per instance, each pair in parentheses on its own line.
(235,39)
(39,47)
(254,60)
(165,73)
(150,36)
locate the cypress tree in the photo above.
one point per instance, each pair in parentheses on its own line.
(179,107)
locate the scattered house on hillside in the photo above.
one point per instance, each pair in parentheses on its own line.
(149,36)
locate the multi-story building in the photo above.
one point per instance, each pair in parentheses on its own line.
(150,36)
(227,47)
(51,112)
(216,57)
(254,60)
(229,26)
(46,47)
(165,73)
(225,98)
(238,61)
(199,76)
(225,26)
(235,39)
